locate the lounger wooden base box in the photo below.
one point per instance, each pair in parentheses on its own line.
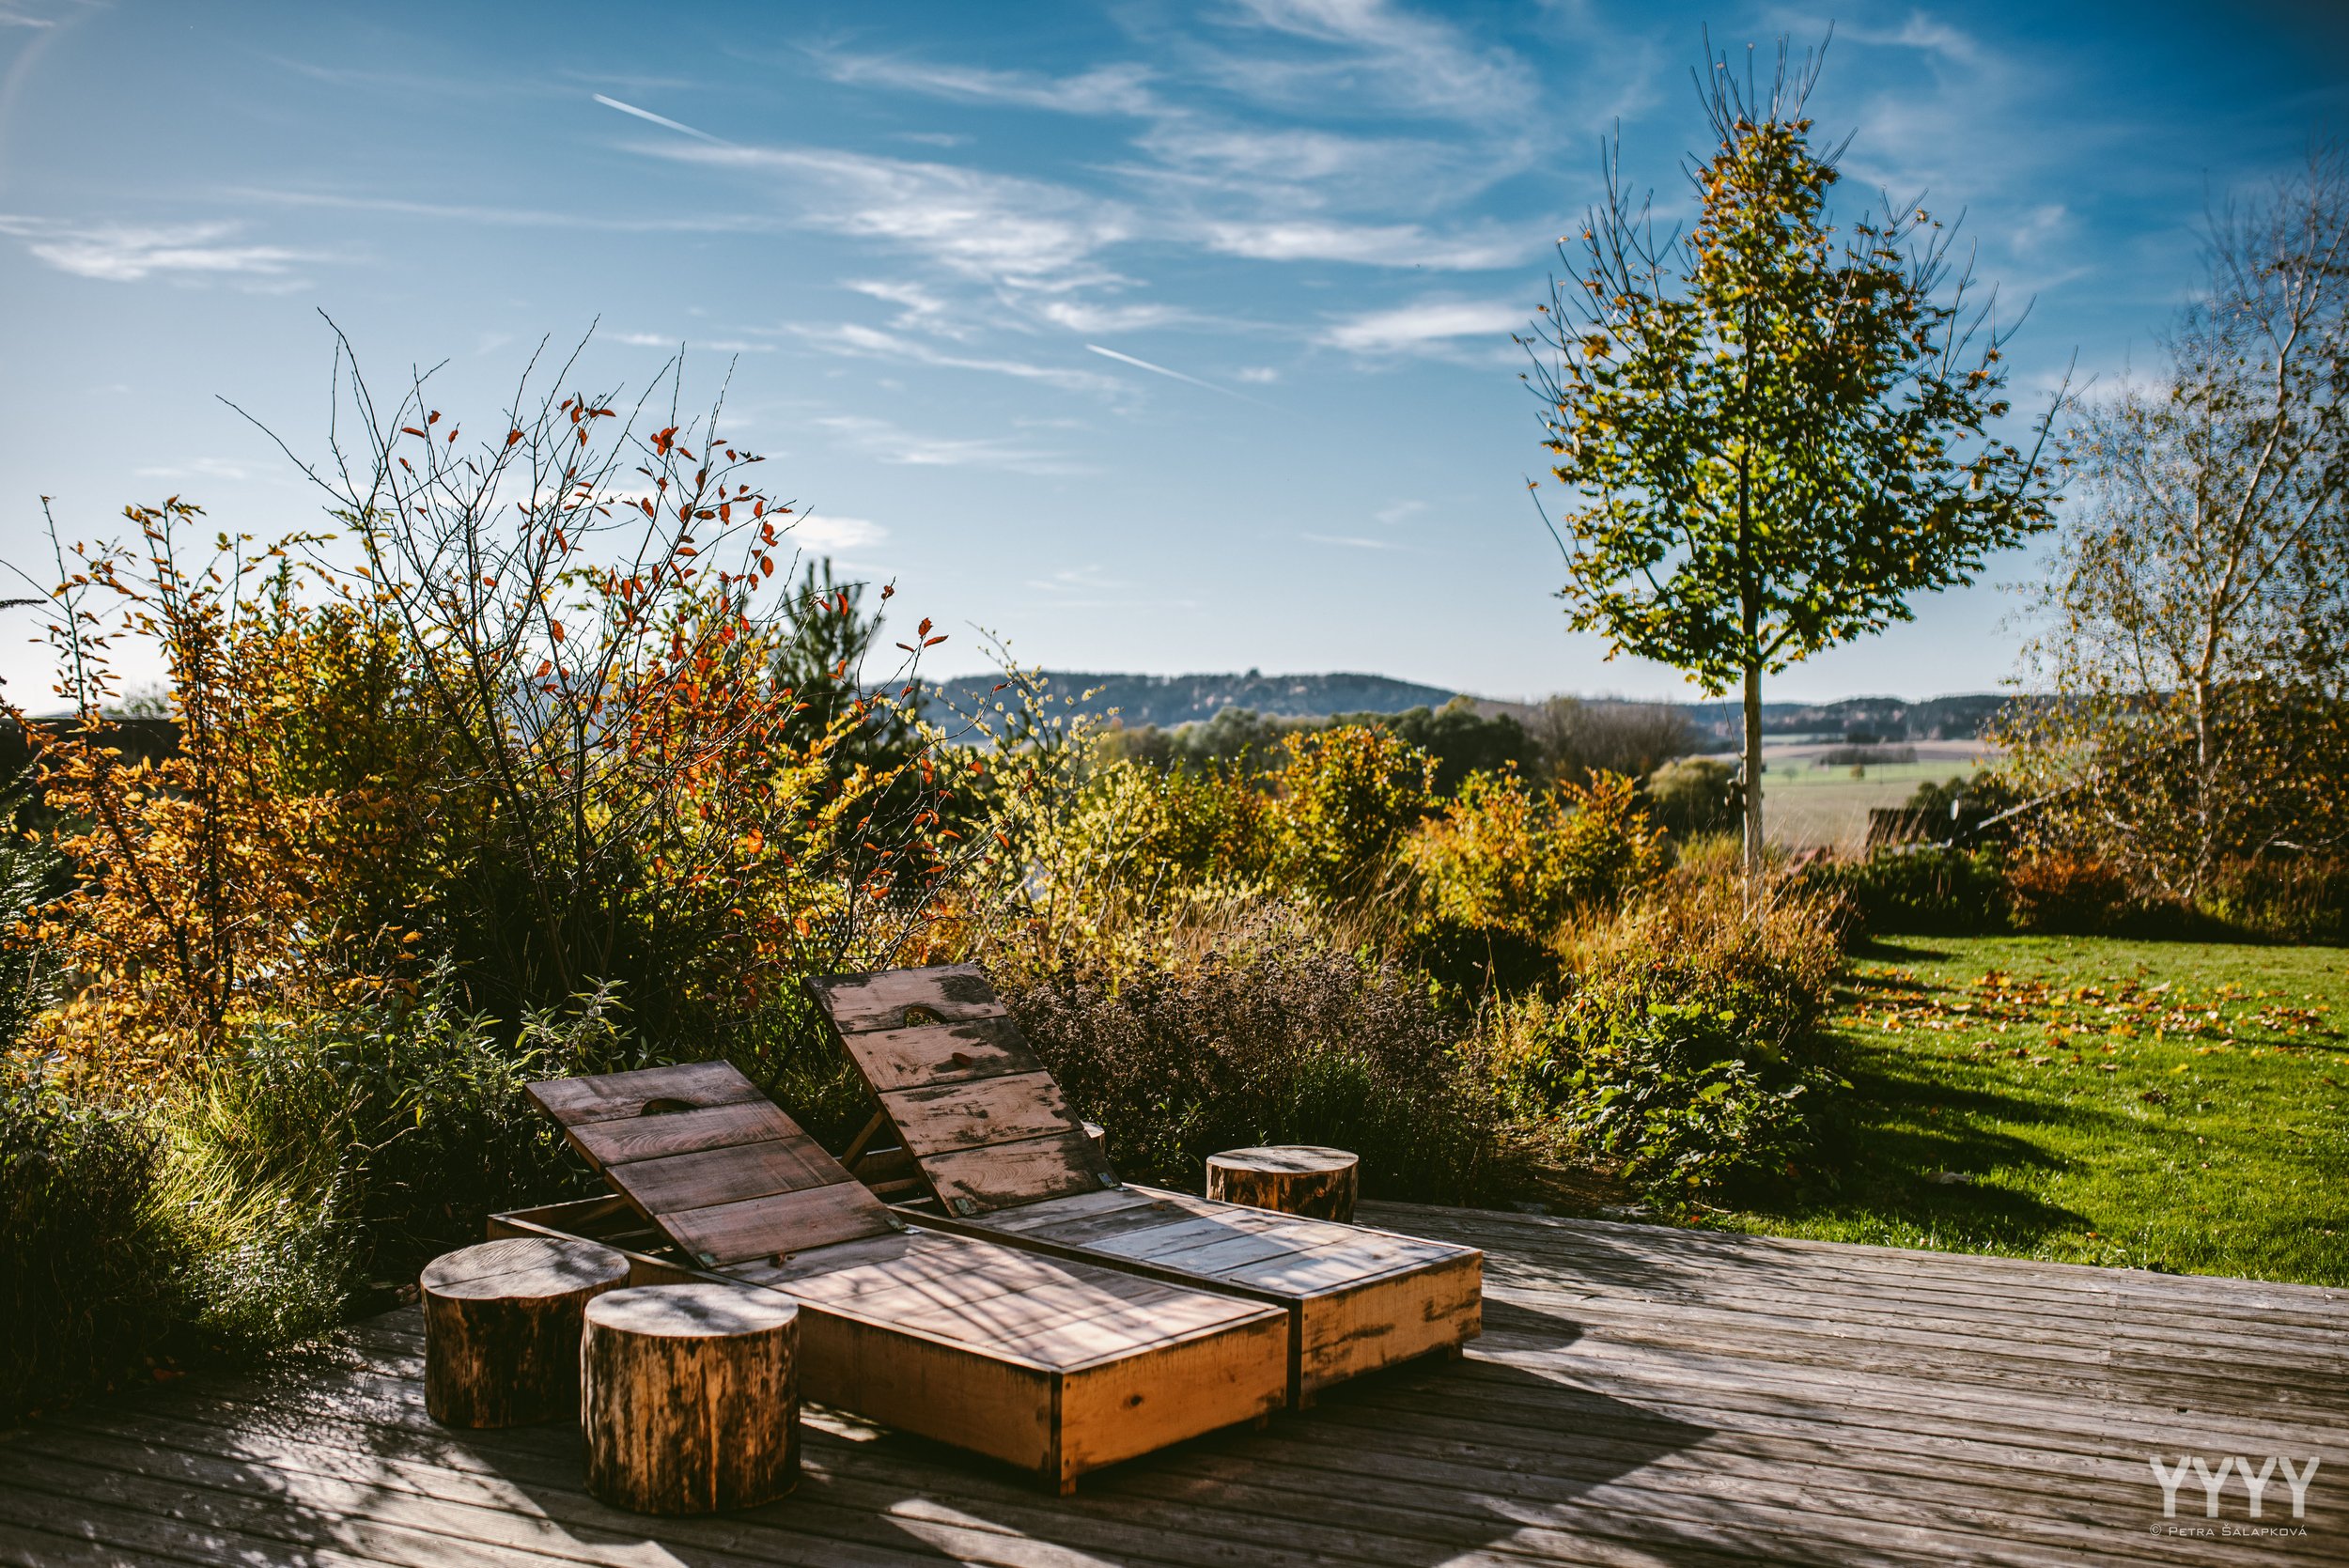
(1055,1365)
(1356,1299)
(987,1148)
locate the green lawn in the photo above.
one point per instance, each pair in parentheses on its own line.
(2179,1105)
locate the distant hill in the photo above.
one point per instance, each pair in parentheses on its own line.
(1167,701)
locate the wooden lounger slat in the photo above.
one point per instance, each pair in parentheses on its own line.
(982,1111)
(574,1101)
(707,1177)
(974,1181)
(950,993)
(635,1138)
(798,1221)
(958,1085)
(944,1053)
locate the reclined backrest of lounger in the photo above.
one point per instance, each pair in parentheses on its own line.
(709,1159)
(981,1117)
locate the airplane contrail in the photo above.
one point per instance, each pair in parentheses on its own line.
(659,119)
(1177,375)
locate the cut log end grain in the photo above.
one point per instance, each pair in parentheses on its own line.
(501,1324)
(1321,1184)
(690,1397)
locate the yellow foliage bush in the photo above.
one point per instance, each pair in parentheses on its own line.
(1504,855)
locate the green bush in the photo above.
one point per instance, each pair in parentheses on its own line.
(1688,1047)
(94,1282)
(1921,889)
(2290,897)
(1693,796)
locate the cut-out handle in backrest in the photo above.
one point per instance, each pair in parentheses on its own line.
(704,1155)
(914,1018)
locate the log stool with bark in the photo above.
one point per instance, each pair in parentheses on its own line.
(690,1397)
(500,1328)
(1298,1178)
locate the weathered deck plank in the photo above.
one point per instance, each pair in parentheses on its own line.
(1641,1396)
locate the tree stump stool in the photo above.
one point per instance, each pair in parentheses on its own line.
(690,1397)
(1297,1178)
(500,1328)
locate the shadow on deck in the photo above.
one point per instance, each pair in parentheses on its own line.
(1641,1395)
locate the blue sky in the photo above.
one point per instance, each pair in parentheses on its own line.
(1150,336)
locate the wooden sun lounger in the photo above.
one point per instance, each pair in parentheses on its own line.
(986,1139)
(1057,1366)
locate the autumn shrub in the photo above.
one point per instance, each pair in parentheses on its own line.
(2065,891)
(1344,799)
(1502,855)
(1687,1046)
(603,753)
(1269,1033)
(1923,889)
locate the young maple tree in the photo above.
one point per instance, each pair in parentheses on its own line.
(1773,435)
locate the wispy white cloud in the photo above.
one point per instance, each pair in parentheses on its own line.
(1373,54)
(1258,375)
(1015,232)
(1111,89)
(509,217)
(871,343)
(828,535)
(886,443)
(675,343)
(1366,244)
(1425,324)
(918,308)
(200,468)
(1349,542)
(125,253)
(1089,579)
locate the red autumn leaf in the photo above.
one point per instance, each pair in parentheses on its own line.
(512,436)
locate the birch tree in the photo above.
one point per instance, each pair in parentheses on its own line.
(2187,670)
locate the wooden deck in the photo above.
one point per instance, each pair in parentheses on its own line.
(1640,1395)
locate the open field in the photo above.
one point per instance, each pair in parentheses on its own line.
(1808,806)
(2177,1106)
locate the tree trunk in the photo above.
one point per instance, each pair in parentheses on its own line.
(691,1398)
(1750,791)
(1321,1184)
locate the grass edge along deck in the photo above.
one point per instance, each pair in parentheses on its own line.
(984,1130)
(1058,1371)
